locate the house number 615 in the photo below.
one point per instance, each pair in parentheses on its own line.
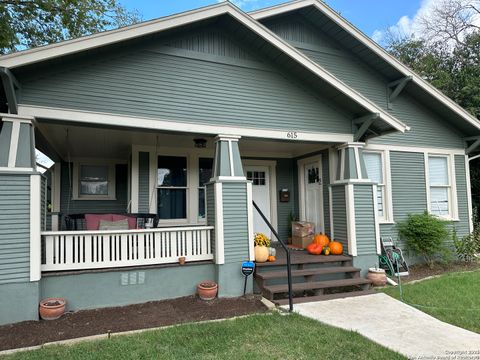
(292,135)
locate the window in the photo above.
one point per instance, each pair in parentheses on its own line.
(93,181)
(205,166)
(256,177)
(439,186)
(172,187)
(375,164)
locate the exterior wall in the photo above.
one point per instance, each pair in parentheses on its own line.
(118,206)
(19,302)
(14,228)
(326,196)
(427,127)
(191,84)
(144,182)
(462,227)
(5,138)
(285,180)
(365,220)
(117,288)
(339,212)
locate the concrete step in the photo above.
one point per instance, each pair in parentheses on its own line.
(267,275)
(306,299)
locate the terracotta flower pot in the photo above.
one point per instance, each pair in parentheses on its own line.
(52,308)
(261,253)
(378,277)
(207,290)
(181,260)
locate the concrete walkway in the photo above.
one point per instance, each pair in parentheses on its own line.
(396,326)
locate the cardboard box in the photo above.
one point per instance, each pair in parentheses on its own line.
(302,241)
(302,228)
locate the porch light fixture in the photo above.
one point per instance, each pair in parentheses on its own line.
(200,143)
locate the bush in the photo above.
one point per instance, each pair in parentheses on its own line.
(425,235)
(468,247)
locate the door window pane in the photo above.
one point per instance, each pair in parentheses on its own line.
(172,171)
(256,177)
(93,180)
(172,203)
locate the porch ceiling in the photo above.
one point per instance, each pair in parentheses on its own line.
(72,141)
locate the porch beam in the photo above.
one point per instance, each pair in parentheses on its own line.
(366,122)
(398,86)
(473,146)
(9,82)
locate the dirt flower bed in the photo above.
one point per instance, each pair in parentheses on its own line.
(132,317)
(421,271)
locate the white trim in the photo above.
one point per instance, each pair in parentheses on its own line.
(302,188)
(56,186)
(230,158)
(154,26)
(332,164)
(370,44)
(152,182)
(55,222)
(228,178)
(427,179)
(17,118)
(342,165)
(469,193)
(351,226)
(14,139)
(453,187)
(35,227)
(376,220)
(93,162)
(134,180)
(251,250)
(357,163)
(330,209)
(109,119)
(219,239)
(272,169)
(416,149)
(16,169)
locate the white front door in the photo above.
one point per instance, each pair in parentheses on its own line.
(260,178)
(313,198)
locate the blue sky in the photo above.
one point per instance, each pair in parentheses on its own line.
(367,15)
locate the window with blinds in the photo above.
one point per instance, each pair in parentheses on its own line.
(439,185)
(375,170)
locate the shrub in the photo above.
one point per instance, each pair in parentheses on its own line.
(425,235)
(468,247)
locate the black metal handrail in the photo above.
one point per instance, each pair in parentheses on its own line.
(287,250)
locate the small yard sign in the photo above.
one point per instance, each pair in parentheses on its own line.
(247,270)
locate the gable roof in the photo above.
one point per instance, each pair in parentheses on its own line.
(69,47)
(371,45)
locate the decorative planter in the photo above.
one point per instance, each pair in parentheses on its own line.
(272,251)
(261,254)
(181,260)
(52,308)
(378,277)
(207,290)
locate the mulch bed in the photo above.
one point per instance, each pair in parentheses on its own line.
(132,317)
(421,271)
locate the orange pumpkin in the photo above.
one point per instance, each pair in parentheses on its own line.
(321,239)
(336,248)
(271,258)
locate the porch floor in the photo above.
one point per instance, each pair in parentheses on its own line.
(303,257)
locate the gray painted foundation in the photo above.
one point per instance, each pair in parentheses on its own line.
(231,281)
(19,302)
(364,262)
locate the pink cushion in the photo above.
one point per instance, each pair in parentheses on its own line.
(92,221)
(132,222)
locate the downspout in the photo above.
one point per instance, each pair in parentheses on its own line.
(8,81)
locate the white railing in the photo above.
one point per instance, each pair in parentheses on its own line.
(81,250)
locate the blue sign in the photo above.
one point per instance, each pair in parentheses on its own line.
(248,267)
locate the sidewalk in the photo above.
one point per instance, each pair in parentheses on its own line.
(396,326)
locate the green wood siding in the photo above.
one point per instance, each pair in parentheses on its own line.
(211,209)
(427,126)
(14,228)
(462,227)
(339,211)
(188,86)
(144,182)
(25,146)
(325,184)
(5,136)
(285,177)
(235,221)
(364,219)
(118,206)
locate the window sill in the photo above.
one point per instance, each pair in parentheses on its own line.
(386,222)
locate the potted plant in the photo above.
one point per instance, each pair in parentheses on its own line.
(52,308)
(207,290)
(262,244)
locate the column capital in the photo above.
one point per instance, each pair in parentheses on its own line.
(228,164)
(351,145)
(16,118)
(222,137)
(350,163)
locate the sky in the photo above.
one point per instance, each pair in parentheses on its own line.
(373,17)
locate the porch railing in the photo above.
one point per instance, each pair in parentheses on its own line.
(82,250)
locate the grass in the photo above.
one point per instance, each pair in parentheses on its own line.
(267,336)
(453,298)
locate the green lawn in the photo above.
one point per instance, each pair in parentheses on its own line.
(268,336)
(457,293)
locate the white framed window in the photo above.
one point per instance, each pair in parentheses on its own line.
(378,170)
(93,180)
(441,197)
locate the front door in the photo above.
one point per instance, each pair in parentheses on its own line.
(259,176)
(313,198)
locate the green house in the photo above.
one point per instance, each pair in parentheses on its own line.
(186,120)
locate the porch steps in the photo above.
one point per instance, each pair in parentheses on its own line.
(305,299)
(314,278)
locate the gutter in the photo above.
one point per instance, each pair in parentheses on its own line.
(9,82)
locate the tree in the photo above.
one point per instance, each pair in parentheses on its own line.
(30,23)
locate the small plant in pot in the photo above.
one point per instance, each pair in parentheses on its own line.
(207,290)
(262,244)
(52,308)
